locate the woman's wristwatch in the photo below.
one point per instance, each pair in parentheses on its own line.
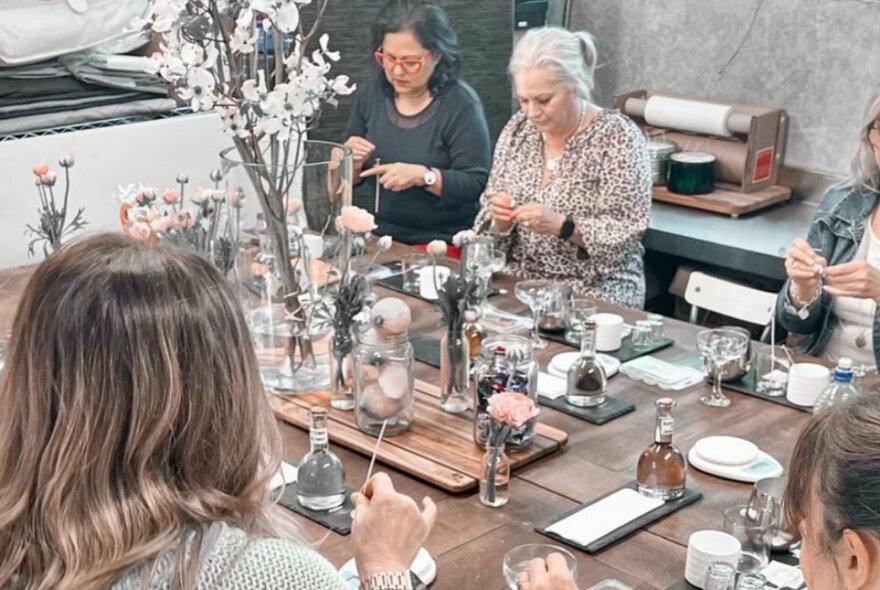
(567,229)
(392,581)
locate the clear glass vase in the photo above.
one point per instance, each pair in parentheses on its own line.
(301,189)
(494,476)
(454,372)
(342,369)
(384,382)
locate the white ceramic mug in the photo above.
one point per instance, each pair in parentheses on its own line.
(806,382)
(427,285)
(609,331)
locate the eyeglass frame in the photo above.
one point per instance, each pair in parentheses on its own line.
(380,58)
(873,128)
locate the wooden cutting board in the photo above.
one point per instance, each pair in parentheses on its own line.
(438,447)
(726,199)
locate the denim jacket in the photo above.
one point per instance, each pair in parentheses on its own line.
(835,233)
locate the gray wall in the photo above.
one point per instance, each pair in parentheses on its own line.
(817,59)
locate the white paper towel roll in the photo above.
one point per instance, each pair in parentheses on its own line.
(688,115)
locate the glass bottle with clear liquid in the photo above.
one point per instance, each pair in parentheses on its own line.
(586,380)
(841,387)
(320,480)
(662,469)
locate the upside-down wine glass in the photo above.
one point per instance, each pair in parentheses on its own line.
(718,347)
(532,293)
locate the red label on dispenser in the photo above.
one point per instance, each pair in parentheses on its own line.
(763,164)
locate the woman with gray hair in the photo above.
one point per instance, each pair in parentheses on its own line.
(569,193)
(833,281)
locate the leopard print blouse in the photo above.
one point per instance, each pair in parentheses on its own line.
(603,181)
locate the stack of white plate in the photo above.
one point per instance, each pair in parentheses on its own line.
(805,382)
(559,364)
(706,548)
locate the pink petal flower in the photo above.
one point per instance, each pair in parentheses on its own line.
(153,214)
(40,168)
(294,205)
(357,220)
(512,408)
(437,248)
(161,224)
(171,195)
(140,231)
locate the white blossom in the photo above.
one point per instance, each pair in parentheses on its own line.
(233,123)
(283,13)
(199,89)
(242,40)
(331,55)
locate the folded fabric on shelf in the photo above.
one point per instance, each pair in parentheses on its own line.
(88,115)
(114,71)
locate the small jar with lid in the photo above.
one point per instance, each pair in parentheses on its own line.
(383,385)
(506,363)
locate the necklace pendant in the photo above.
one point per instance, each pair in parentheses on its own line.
(861,341)
(803,313)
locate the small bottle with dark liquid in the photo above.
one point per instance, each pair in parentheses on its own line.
(662,469)
(586,377)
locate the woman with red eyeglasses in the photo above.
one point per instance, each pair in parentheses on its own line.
(418,130)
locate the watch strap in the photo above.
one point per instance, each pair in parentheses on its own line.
(567,229)
(388,581)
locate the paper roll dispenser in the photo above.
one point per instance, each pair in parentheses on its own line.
(747,140)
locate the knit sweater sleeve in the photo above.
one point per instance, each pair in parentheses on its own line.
(273,564)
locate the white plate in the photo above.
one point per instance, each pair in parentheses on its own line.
(559,364)
(726,450)
(423,566)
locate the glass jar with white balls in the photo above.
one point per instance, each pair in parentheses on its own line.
(383,384)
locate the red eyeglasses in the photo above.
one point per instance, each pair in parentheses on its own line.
(410,65)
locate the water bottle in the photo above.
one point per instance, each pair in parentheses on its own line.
(841,387)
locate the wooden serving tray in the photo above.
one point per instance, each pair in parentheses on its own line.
(726,198)
(438,447)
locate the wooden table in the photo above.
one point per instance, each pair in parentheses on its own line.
(470,540)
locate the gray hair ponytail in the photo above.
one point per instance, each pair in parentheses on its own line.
(570,57)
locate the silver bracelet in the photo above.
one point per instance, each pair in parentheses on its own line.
(802,308)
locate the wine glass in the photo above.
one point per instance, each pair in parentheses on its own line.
(516,561)
(719,347)
(532,293)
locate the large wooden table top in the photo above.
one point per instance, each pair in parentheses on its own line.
(470,540)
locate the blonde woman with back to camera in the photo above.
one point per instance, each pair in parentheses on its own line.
(137,444)
(569,193)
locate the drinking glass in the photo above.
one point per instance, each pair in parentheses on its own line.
(516,563)
(533,293)
(720,576)
(719,347)
(643,334)
(657,326)
(579,310)
(751,582)
(412,264)
(769,494)
(770,374)
(754,529)
(551,317)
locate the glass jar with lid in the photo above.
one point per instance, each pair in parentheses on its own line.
(506,363)
(383,381)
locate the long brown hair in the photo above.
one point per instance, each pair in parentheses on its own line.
(132,417)
(837,461)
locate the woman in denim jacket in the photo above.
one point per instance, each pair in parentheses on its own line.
(833,284)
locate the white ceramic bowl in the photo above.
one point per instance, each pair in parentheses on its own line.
(805,382)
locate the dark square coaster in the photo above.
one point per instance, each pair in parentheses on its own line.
(690,496)
(626,352)
(611,409)
(781,556)
(425,348)
(395,283)
(748,384)
(337,520)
